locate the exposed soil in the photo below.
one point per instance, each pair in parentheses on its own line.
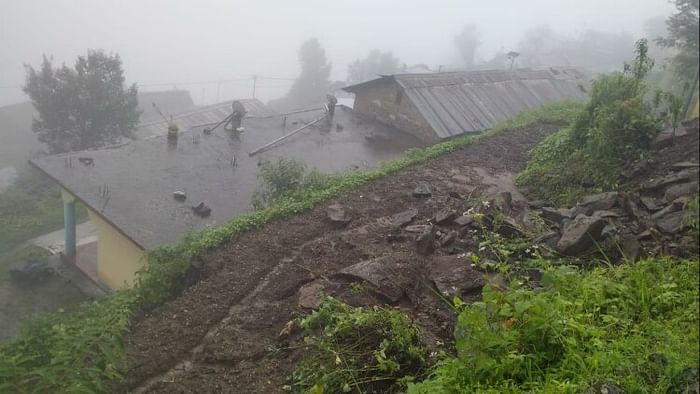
(221,334)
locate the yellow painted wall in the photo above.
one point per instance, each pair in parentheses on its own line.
(118,259)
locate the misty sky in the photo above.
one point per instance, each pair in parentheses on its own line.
(166,44)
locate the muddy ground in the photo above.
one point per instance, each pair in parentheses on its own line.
(222,333)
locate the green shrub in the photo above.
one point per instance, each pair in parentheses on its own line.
(615,126)
(635,325)
(284,177)
(359,350)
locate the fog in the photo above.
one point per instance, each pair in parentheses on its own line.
(213,48)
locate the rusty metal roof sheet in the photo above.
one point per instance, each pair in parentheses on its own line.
(203,116)
(454,103)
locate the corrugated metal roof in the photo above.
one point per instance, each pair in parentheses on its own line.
(462,102)
(203,116)
(454,103)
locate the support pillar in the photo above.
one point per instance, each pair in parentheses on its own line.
(69,226)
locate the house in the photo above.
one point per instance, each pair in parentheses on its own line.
(132,194)
(435,106)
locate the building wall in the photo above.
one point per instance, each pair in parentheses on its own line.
(386,102)
(118,259)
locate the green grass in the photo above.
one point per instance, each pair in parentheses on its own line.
(365,350)
(634,325)
(81,352)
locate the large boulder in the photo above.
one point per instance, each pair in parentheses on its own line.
(581,234)
(454,276)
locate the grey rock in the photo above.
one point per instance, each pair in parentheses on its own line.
(687,175)
(418,228)
(674,206)
(581,234)
(536,204)
(535,274)
(509,228)
(454,276)
(425,242)
(422,190)
(631,247)
(403,218)
(684,165)
(650,203)
(447,238)
(666,138)
(555,215)
(380,273)
(337,214)
(504,202)
(459,178)
(596,202)
(179,196)
(680,190)
(444,216)
(309,296)
(639,168)
(671,223)
(464,220)
(549,239)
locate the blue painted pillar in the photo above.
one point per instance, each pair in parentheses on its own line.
(69,225)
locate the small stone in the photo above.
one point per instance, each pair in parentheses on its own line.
(422,191)
(459,178)
(555,215)
(179,196)
(454,276)
(464,220)
(447,238)
(536,204)
(309,295)
(418,228)
(509,228)
(651,204)
(402,218)
(683,165)
(444,215)
(604,387)
(631,248)
(425,242)
(336,213)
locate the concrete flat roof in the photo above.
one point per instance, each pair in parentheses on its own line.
(131,186)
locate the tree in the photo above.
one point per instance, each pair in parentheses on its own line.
(467,42)
(82,107)
(376,63)
(683,35)
(312,83)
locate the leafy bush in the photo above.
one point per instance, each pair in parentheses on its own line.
(613,128)
(635,325)
(282,178)
(359,350)
(82,351)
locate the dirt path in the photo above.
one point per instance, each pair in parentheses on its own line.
(222,333)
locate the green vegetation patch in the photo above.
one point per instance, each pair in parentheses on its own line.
(359,350)
(80,352)
(616,126)
(634,326)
